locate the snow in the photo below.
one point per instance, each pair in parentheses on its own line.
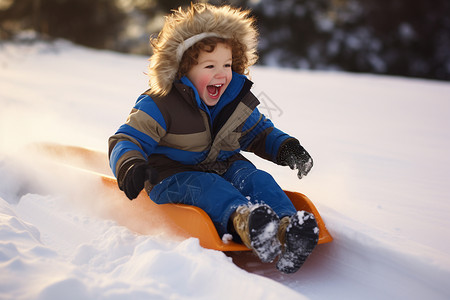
(380,181)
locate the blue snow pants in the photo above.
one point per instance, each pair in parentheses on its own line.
(219,196)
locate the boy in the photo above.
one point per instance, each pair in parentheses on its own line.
(182,140)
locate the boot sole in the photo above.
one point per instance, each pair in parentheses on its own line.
(301,239)
(263,228)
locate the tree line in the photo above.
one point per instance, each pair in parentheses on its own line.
(395,37)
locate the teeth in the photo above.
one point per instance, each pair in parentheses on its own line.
(218,86)
(217,89)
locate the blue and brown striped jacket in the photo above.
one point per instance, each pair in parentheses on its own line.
(178,132)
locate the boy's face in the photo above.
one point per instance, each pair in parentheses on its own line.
(212,74)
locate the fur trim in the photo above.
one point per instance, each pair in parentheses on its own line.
(224,21)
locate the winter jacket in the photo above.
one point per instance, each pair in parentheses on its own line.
(178,132)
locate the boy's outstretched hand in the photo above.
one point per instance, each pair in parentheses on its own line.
(292,154)
(135,174)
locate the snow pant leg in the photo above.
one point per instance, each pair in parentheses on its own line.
(208,191)
(260,187)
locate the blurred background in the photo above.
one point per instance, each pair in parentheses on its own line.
(395,37)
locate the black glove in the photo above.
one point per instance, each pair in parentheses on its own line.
(292,154)
(134,176)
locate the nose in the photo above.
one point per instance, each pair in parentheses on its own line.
(221,73)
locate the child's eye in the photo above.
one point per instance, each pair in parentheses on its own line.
(209,67)
(227,65)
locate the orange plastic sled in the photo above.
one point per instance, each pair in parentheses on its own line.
(184,220)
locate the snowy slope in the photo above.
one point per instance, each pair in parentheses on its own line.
(380,181)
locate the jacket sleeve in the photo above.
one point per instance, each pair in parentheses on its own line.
(261,137)
(138,137)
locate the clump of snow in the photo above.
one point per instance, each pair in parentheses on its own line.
(226,238)
(380,181)
(302,217)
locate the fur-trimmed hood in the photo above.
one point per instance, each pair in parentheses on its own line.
(184,27)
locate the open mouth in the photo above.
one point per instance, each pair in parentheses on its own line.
(214,90)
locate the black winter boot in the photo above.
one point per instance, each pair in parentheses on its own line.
(258,226)
(299,235)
